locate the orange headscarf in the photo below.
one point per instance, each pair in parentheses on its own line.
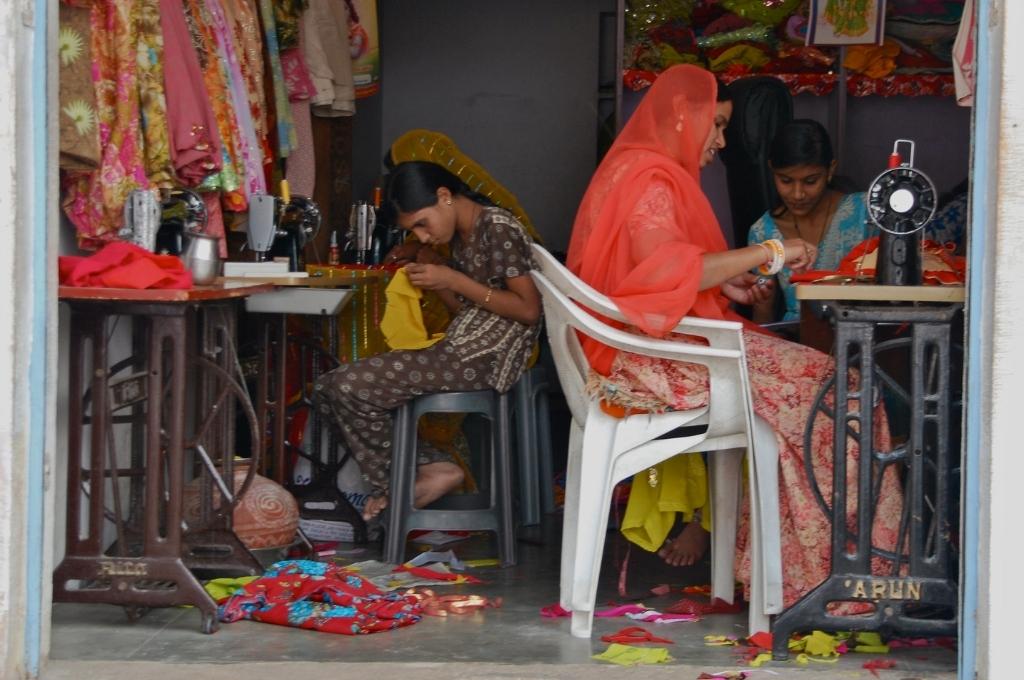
(653,273)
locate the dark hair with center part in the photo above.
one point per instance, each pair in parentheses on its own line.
(413,185)
(724,93)
(801,142)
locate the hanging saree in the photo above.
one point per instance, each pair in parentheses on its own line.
(229,179)
(195,145)
(152,99)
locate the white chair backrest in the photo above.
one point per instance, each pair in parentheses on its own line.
(557,286)
(573,287)
(567,299)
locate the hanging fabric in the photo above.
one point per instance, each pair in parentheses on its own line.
(251,153)
(94,201)
(286,139)
(79,133)
(195,145)
(963,56)
(229,179)
(364,44)
(152,100)
(325,47)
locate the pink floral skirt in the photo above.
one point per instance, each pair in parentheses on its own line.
(785,378)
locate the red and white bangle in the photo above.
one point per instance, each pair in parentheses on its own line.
(776,257)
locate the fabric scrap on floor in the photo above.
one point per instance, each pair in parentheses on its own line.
(443,605)
(653,616)
(635,635)
(624,655)
(447,557)
(387,578)
(320,596)
(221,589)
(720,640)
(875,664)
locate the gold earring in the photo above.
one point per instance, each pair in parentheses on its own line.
(449,201)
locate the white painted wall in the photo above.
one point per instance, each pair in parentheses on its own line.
(515,84)
(1001,595)
(25,408)
(12,428)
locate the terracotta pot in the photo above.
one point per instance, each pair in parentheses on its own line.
(266,517)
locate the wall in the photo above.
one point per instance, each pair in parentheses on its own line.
(998,288)
(940,129)
(27,347)
(529,118)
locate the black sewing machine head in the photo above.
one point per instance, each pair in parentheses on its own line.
(901,201)
(279,229)
(182,212)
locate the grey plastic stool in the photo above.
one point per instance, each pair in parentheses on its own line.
(533,440)
(496,517)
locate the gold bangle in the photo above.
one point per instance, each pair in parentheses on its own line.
(778,259)
(487,298)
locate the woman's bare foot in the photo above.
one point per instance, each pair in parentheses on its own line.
(374,506)
(433,480)
(686,548)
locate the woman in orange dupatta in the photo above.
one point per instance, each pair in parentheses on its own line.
(646,236)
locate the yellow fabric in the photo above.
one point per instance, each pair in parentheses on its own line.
(223,588)
(681,486)
(874,61)
(438,148)
(402,324)
(748,55)
(626,655)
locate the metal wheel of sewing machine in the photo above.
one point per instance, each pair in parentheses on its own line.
(896,398)
(209,544)
(917,593)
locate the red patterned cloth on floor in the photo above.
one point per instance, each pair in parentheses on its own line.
(320,596)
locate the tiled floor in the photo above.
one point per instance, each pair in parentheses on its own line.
(514,634)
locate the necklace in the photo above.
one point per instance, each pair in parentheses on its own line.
(817,232)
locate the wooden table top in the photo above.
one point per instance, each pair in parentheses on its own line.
(870,292)
(195,294)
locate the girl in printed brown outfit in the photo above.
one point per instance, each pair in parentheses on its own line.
(496,313)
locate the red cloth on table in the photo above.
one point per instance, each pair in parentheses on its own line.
(124,265)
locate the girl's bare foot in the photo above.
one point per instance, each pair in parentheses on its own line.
(686,548)
(374,506)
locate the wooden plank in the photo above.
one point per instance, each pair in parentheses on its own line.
(195,294)
(875,293)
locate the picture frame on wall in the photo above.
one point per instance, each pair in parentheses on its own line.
(846,22)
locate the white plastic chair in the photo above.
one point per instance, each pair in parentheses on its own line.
(604,450)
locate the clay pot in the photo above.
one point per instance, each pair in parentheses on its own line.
(266,517)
